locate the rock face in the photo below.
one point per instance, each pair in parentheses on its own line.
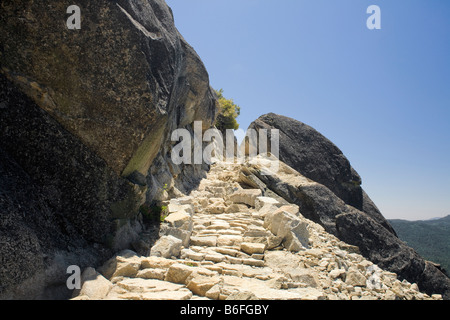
(118,84)
(80,112)
(317,158)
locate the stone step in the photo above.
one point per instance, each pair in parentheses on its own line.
(207,233)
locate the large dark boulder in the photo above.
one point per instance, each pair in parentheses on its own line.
(85,123)
(317,158)
(119,84)
(313,155)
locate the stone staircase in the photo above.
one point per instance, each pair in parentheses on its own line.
(224,242)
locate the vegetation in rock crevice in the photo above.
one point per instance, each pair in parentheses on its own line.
(228,112)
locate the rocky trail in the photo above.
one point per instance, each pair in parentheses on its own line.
(227,242)
(87,138)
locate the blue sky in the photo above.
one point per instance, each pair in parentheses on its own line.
(382,96)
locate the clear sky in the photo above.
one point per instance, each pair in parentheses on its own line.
(382,96)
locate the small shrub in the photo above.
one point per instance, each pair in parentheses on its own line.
(228,112)
(164,213)
(154,213)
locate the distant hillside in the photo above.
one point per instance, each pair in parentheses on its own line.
(430,238)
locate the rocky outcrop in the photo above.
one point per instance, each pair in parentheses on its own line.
(85,123)
(321,205)
(265,250)
(328,191)
(377,244)
(317,158)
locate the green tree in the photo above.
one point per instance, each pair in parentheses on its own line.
(228,112)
